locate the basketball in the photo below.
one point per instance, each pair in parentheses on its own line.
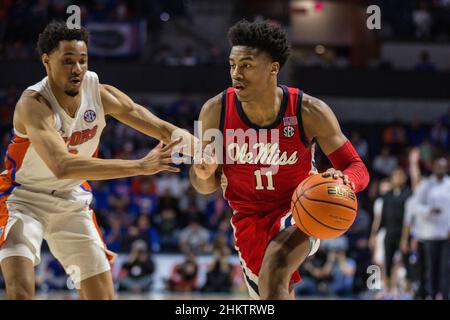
(324,208)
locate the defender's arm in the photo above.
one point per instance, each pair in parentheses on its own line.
(49,145)
(120,106)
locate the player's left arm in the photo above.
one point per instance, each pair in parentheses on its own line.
(321,124)
(121,107)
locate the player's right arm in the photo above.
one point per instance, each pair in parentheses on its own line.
(33,116)
(205,178)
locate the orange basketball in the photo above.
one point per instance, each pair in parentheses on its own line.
(324,207)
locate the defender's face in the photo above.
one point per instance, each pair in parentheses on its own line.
(252,71)
(67,65)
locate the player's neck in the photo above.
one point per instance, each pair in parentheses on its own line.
(264,110)
(68,103)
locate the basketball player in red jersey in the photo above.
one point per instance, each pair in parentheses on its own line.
(258,179)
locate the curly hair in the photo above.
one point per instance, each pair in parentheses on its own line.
(264,36)
(58,31)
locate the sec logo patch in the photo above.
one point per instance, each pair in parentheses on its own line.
(288,131)
(89,116)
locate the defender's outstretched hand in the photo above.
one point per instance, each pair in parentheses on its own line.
(159,158)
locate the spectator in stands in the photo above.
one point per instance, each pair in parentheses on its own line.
(184,276)
(191,198)
(424,64)
(219,274)
(143,197)
(167,200)
(217,56)
(121,12)
(329,271)
(142,230)
(119,198)
(224,233)
(427,151)
(165,56)
(137,272)
(361,145)
(167,226)
(394,136)
(384,163)
(101,195)
(148,233)
(189,57)
(342,271)
(194,238)
(168,184)
(440,135)
(422,21)
(416,133)
(338,268)
(217,209)
(314,276)
(114,234)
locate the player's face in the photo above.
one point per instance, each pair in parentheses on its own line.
(67,65)
(252,72)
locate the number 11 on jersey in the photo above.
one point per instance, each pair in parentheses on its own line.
(259,180)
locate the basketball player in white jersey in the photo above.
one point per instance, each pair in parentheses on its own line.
(43,191)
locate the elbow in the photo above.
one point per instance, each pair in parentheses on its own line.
(60,170)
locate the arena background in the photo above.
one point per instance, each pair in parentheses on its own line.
(387,86)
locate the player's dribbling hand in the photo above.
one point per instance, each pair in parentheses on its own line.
(206,166)
(336,174)
(159,158)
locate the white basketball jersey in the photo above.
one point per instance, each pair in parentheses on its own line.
(81,135)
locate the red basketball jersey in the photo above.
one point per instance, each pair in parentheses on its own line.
(263,165)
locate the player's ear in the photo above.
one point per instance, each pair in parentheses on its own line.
(275,68)
(45,60)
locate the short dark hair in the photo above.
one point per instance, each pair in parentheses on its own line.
(261,35)
(58,31)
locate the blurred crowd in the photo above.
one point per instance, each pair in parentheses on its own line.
(415,20)
(143,216)
(21,21)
